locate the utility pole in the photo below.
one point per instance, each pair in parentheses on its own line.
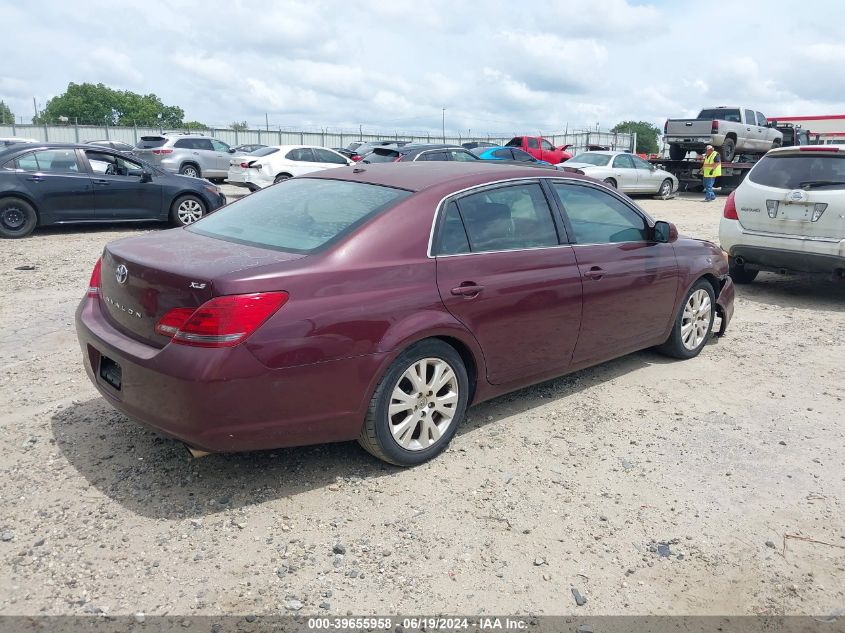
(35,107)
(266,121)
(444,125)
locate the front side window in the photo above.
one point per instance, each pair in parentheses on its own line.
(298,215)
(326,156)
(761,120)
(111,165)
(546,145)
(639,163)
(461,155)
(598,217)
(219,146)
(507,218)
(57,161)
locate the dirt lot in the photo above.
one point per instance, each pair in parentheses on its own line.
(650,485)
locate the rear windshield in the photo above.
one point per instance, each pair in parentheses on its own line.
(514,142)
(298,215)
(721,114)
(381,155)
(264,151)
(808,170)
(591,159)
(148,142)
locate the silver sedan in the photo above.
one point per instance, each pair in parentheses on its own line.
(625,171)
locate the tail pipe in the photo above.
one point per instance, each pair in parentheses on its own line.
(196,453)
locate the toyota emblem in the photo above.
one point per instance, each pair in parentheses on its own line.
(120,273)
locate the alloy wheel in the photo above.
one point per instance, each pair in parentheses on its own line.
(695,322)
(423,404)
(189,211)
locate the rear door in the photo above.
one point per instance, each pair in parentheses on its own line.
(57,182)
(624,172)
(119,192)
(630,282)
(795,192)
(503,272)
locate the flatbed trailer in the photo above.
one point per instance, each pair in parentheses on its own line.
(688,172)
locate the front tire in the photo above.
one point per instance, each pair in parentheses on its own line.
(693,322)
(665,189)
(186,210)
(417,406)
(610,182)
(17,218)
(741,274)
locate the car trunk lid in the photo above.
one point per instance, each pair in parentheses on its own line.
(143,278)
(798,192)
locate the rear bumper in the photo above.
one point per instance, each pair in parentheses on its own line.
(725,304)
(781,252)
(222,400)
(248,179)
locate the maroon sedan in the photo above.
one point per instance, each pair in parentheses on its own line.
(377,303)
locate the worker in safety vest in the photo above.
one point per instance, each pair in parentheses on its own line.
(711,169)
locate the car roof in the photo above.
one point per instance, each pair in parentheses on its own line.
(417,176)
(810,149)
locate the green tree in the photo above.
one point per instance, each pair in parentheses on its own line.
(6,115)
(99,104)
(194,125)
(647,135)
(240,127)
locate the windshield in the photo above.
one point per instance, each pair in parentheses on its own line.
(805,170)
(148,142)
(720,114)
(298,215)
(590,158)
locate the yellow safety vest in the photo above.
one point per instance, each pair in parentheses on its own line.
(712,169)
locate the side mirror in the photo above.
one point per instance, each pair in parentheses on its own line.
(231,150)
(665,232)
(146,176)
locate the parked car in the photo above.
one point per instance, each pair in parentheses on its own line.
(507,153)
(379,304)
(249,148)
(418,152)
(625,171)
(187,154)
(43,184)
(541,148)
(5,141)
(477,144)
(348,153)
(788,214)
(120,146)
(365,148)
(731,130)
(270,165)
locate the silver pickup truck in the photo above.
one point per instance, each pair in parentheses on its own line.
(732,130)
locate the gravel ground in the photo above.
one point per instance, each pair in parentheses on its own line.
(713,486)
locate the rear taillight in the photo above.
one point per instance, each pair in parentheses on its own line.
(94,282)
(730,207)
(159,152)
(244,165)
(222,321)
(356,158)
(714,127)
(397,159)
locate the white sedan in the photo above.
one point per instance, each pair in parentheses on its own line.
(625,171)
(270,165)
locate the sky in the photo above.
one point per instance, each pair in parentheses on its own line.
(496,66)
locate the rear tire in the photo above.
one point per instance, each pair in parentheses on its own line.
(693,322)
(676,152)
(17,218)
(190,170)
(610,182)
(419,428)
(728,150)
(280,178)
(186,210)
(741,274)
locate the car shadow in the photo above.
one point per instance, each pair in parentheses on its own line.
(154,476)
(816,292)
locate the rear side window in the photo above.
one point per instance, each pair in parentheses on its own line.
(817,171)
(433,156)
(325,156)
(453,236)
(525,157)
(507,218)
(187,143)
(49,161)
(298,215)
(503,153)
(149,142)
(533,143)
(750,117)
(598,217)
(303,154)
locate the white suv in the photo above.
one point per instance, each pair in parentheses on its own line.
(788,214)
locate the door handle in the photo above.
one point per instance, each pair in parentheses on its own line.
(468,290)
(100,181)
(35,178)
(596,272)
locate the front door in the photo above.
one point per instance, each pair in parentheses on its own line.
(57,183)
(222,158)
(630,281)
(648,178)
(503,272)
(119,192)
